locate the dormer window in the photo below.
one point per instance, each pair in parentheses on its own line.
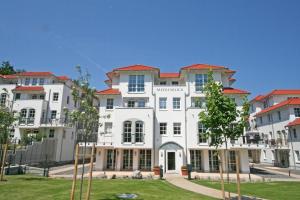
(27,81)
(200,81)
(136,83)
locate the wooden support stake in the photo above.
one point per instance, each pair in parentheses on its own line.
(75,172)
(90,174)
(3,162)
(221,174)
(237,158)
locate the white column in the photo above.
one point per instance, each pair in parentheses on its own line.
(135,162)
(119,159)
(205,160)
(244,165)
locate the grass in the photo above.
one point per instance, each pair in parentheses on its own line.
(266,190)
(39,188)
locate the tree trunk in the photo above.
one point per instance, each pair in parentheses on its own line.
(90,174)
(3,161)
(221,176)
(75,172)
(227,164)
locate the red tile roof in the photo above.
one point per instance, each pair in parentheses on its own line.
(282,92)
(12,76)
(35,74)
(232,79)
(229,71)
(292,101)
(203,66)
(295,122)
(63,78)
(258,98)
(169,75)
(234,91)
(136,68)
(109,91)
(29,88)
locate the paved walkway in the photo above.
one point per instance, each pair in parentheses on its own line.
(181,182)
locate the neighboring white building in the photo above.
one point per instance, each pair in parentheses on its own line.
(43,101)
(275,122)
(149,118)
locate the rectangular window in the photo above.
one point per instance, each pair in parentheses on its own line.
(136,83)
(145,159)
(51,133)
(3,99)
(232,162)
(295,133)
(176,128)
(131,104)
(127,159)
(176,103)
(195,156)
(18,96)
(53,114)
(141,103)
(201,133)
(127,132)
(68,99)
(162,103)
(163,128)
(41,81)
(297,112)
(297,156)
(34,81)
(279,115)
(34,96)
(175,83)
(213,161)
(163,83)
(55,96)
(198,102)
(27,81)
(108,128)
(270,118)
(109,104)
(261,120)
(139,131)
(200,81)
(42,96)
(111,159)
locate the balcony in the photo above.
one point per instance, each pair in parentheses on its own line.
(23,121)
(56,122)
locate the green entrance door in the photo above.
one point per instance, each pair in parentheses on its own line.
(171,161)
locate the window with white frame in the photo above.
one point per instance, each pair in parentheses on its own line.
(18,96)
(108,128)
(34,81)
(176,103)
(201,133)
(200,81)
(127,159)
(109,104)
(162,103)
(136,83)
(175,83)
(297,112)
(53,114)
(31,116)
(131,104)
(55,96)
(176,128)
(139,131)
(195,156)
(163,83)
(198,102)
(145,159)
(279,115)
(3,99)
(141,103)
(41,81)
(27,81)
(297,156)
(127,131)
(163,128)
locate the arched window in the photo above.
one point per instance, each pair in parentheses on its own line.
(127,131)
(139,131)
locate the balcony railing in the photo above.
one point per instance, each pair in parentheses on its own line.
(56,122)
(92,138)
(23,121)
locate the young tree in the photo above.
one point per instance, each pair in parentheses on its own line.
(222,119)
(6,68)
(86,116)
(7,119)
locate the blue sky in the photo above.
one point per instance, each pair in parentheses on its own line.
(259,39)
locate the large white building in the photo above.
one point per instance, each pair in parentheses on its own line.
(43,101)
(149,118)
(275,123)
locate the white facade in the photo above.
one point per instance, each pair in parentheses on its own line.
(42,101)
(148,119)
(274,119)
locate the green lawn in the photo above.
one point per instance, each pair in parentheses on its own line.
(267,190)
(37,188)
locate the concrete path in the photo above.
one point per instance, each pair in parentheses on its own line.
(181,182)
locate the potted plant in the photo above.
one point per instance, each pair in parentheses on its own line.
(156,170)
(184,170)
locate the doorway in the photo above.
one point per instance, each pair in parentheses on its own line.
(171,161)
